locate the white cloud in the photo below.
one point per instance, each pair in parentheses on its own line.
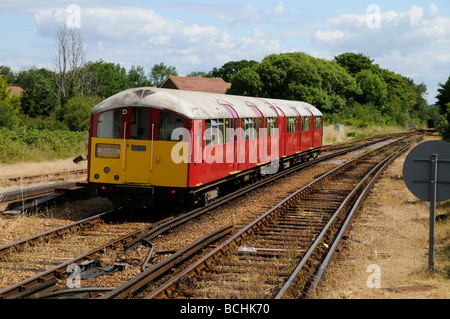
(415,43)
(279,9)
(404,32)
(143,37)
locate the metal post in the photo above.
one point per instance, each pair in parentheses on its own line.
(433,184)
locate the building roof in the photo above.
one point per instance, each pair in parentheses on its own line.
(14,90)
(211,85)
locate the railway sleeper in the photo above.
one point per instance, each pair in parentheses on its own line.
(250,263)
(283,227)
(240,271)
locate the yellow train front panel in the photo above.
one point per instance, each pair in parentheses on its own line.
(116,161)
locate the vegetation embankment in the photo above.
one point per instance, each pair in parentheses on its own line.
(34,145)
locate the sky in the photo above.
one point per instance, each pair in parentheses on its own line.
(408,37)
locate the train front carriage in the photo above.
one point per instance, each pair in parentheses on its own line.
(154,147)
(131,145)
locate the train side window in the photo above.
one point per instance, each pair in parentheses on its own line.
(318,123)
(290,125)
(139,124)
(305,123)
(108,124)
(243,127)
(248,128)
(220,131)
(168,122)
(208,133)
(228,130)
(214,132)
(270,126)
(251,129)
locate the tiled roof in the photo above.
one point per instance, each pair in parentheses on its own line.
(212,85)
(15,90)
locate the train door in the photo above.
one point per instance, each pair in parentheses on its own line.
(297,129)
(259,140)
(231,140)
(137,144)
(282,131)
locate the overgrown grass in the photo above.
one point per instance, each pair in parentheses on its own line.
(30,144)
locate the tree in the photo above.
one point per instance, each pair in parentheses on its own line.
(137,77)
(374,89)
(108,78)
(68,60)
(246,82)
(38,97)
(7,74)
(199,74)
(443,96)
(354,63)
(444,124)
(77,112)
(160,72)
(9,105)
(229,69)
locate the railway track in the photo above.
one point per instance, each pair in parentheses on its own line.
(48,177)
(47,280)
(14,202)
(277,255)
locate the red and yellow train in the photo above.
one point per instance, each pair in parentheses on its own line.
(153,146)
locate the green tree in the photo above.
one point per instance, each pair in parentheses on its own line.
(229,69)
(77,111)
(107,78)
(39,96)
(246,82)
(160,72)
(9,106)
(7,74)
(373,88)
(444,124)
(137,77)
(443,96)
(199,74)
(354,62)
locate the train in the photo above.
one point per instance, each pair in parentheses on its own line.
(157,147)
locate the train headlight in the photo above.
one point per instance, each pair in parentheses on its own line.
(103,150)
(107,170)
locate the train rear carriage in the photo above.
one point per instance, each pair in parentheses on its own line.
(152,146)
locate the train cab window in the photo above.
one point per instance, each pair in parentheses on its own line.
(168,122)
(139,124)
(318,123)
(108,124)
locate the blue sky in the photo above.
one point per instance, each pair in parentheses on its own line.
(411,38)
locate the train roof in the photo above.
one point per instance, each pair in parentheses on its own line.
(202,105)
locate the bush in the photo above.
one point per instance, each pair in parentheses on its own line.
(76,113)
(22,144)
